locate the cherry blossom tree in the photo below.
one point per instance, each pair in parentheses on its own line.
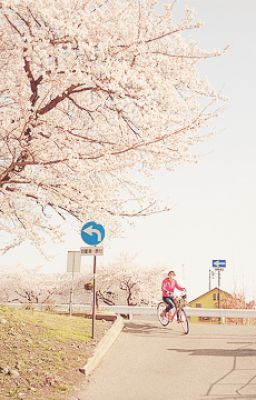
(140,286)
(93,94)
(31,287)
(238,301)
(124,282)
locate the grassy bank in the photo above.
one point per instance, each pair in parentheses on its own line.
(40,353)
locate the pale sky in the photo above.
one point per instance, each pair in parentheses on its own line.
(213,202)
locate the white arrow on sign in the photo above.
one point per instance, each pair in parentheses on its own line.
(90,231)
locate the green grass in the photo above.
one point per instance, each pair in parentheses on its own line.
(55,326)
(48,348)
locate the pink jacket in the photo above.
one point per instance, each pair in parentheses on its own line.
(169,286)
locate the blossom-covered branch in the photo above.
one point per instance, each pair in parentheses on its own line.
(85,99)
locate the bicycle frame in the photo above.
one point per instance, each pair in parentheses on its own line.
(178,306)
(165,318)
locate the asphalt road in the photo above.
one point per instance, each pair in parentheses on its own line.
(149,362)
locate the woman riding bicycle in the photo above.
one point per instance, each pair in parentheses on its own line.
(169,284)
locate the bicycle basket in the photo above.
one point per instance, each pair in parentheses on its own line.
(182,301)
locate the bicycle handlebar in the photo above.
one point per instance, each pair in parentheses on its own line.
(183,293)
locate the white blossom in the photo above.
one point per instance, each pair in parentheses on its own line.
(90,91)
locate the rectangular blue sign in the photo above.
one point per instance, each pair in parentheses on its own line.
(218,263)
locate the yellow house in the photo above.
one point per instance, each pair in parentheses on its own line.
(210,300)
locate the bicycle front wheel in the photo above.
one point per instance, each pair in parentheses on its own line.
(184,321)
(161,314)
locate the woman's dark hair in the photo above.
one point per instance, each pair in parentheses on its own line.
(171,272)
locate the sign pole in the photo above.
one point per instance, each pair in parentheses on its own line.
(93,234)
(71,294)
(94,297)
(219,266)
(73,265)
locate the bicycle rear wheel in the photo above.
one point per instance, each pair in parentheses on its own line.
(162,316)
(184,321)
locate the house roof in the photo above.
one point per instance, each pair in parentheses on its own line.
(210,291)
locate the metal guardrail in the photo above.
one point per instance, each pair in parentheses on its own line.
(137,310)
(222,313)
(199,312)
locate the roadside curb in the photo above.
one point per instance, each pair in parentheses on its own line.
(103,346)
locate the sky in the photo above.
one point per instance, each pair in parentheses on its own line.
(213,214)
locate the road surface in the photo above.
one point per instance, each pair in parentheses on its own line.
(149,362)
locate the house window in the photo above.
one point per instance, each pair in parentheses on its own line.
(214,296)
(198,305)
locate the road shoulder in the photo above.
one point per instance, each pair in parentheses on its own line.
(103,347)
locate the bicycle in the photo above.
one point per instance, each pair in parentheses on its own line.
(165,318)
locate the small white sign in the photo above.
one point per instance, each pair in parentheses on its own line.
(91,251)
(74,261)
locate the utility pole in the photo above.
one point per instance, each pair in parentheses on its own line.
(211,275)
(219,278)
(219,288)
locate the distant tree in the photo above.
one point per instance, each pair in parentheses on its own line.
(106,296)
(32,288)
(234,300)
(238,301)
(124,280)
(130,284)
(7,293)
(91,90)
(141,285)
(106,285)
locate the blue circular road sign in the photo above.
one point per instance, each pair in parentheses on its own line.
(92,233)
